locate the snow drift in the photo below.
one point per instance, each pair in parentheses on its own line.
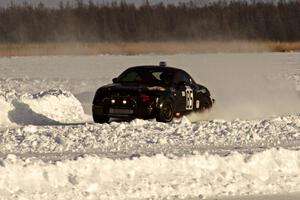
(149,137)
(269,172)
(54,106)
(5,108)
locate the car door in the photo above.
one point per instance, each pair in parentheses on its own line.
(184,92)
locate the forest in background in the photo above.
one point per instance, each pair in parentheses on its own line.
(126,22)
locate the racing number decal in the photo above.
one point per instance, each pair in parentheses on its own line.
(189,98)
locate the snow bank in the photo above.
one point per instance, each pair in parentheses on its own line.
(5,108)
(150,137)
(54,106)
(269,172)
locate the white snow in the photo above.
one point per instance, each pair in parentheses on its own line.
(54,106)
(158,177)
(149,137)
(5,108)
(247,145)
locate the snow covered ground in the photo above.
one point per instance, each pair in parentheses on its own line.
(247,145)
(202,176)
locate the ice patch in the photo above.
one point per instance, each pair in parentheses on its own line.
(50,107)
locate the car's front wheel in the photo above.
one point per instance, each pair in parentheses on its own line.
(166,112)
(100,119)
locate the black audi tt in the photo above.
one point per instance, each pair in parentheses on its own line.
(146,92)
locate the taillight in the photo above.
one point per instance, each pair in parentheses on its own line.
(144,97)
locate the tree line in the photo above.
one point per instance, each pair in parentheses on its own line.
(127,22)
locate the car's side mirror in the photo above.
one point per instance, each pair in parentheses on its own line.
(115,80)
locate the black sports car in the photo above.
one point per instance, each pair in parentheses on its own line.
(146,92)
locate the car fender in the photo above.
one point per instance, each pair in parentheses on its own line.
(167,95)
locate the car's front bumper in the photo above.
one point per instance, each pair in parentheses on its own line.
(136,111)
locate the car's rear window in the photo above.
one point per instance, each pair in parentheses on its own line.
(146,76)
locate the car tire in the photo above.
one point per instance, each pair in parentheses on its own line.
(101,119)
(166,112)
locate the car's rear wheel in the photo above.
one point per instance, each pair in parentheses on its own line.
(100,119)
(166,112)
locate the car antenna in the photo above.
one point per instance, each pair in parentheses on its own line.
(162,64)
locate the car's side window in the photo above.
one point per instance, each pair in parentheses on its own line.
(157,75)
(131,77)
(166,78)
(183,77)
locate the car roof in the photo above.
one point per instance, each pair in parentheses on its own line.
(155,67)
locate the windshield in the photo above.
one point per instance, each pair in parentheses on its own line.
(146,76)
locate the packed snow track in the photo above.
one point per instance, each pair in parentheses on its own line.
(248,144)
